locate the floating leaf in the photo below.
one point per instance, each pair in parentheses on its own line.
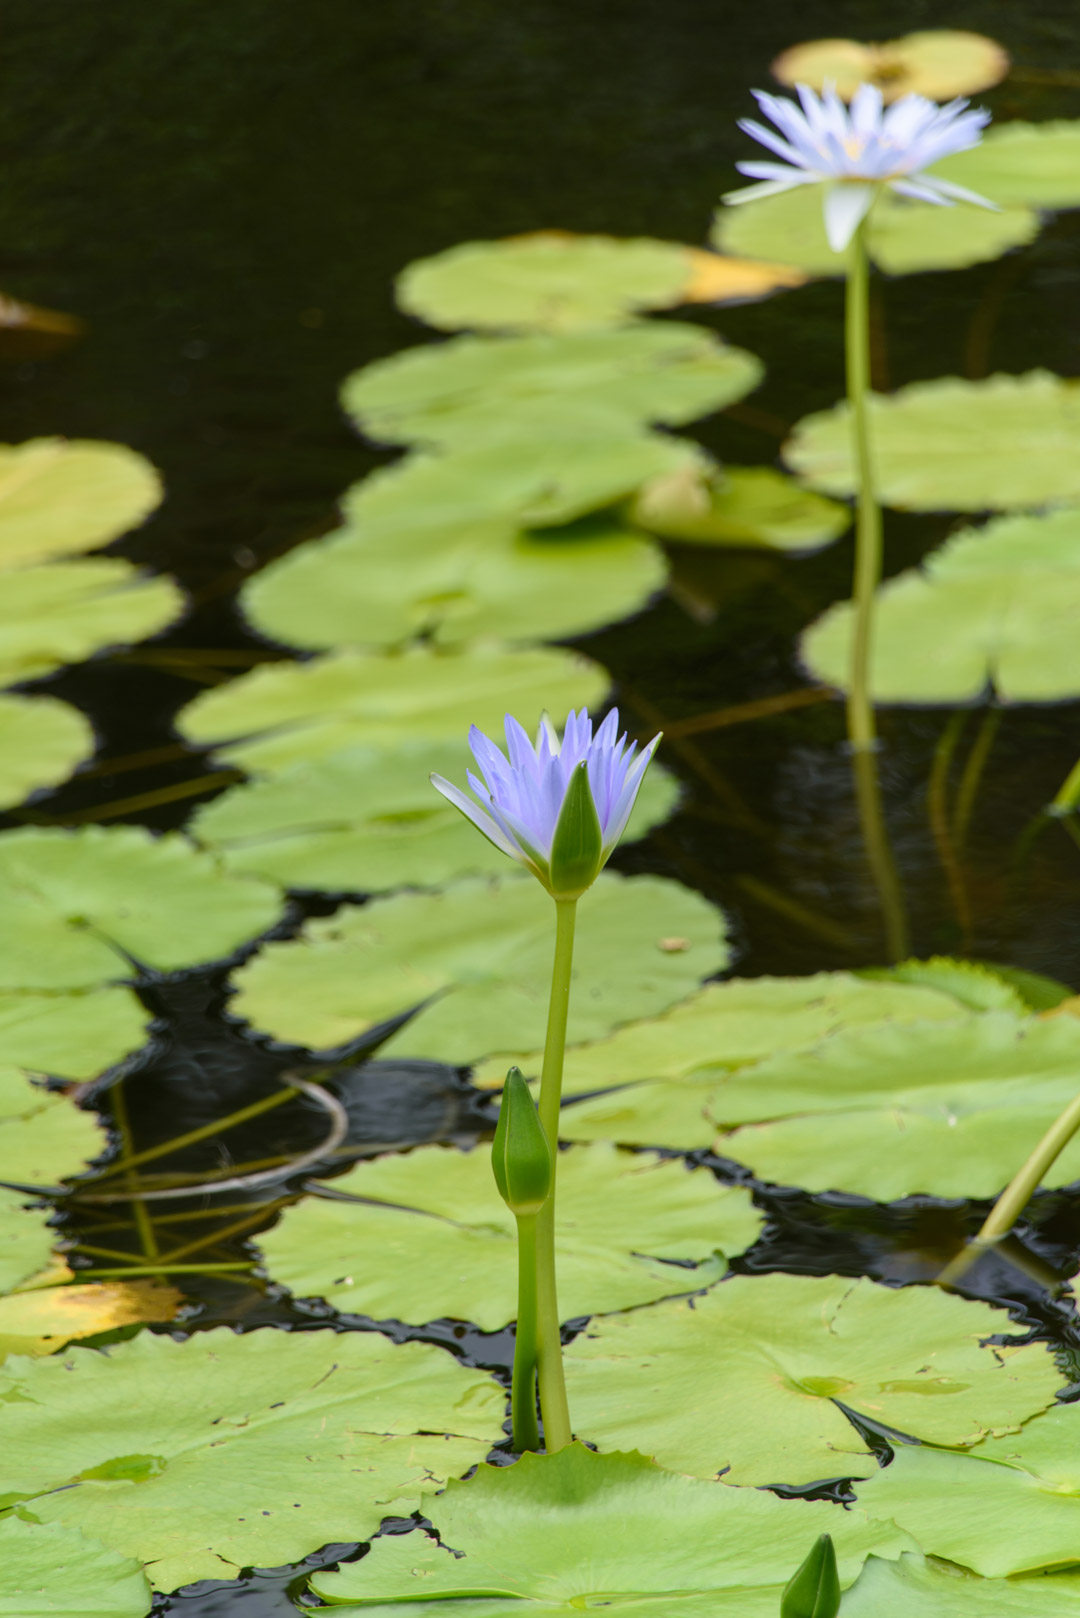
(59,496)
(935,62)
(738,505)
(977,986)
(916,1588)
(436,1240)
(951,445)
(285,712)
(563,1533)
(366,821)
(46,1569)
(995,607)
(78,906)
(770,1359)
(484,580)
(477,957)
(43,1319)
(66,612)
(225,1451)
(74,1035)
(1016,163)
(1011,1506)
(459,391)
(718,278)
(26,1241)
(45,1135)
(41,742)
(903,237)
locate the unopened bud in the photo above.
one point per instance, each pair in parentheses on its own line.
(520,1157)
(814,1592)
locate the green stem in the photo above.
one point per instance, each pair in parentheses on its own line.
(143,1222)
(882,864)
(1017,1194)
(1068,794)
(523,1391)
(553,1405)
(860,709)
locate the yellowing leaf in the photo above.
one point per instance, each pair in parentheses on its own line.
(42,1319)
(717,278)
(936,62)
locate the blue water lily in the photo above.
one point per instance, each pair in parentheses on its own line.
(855,151)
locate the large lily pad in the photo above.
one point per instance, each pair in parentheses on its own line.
(41,742)
(290,711)
(73,1035)
(459,391)
(770,1358)
(60,496)
(1011,1506)
(43,1134)
(1016,163)
(45,1317)
(366,821)
(224,1451)
(951,445)
(48,1571)
(432,1238)
(902,236)
(935,62)
(572,1531)
(484,580)
(994,607)
(477,958)
(67,611)
(914,1587)
(738,505)
(78,906)
(26,1242)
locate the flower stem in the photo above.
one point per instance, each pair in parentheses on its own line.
(1017,1194)
(523,1389)
(553,1406)
(862,731)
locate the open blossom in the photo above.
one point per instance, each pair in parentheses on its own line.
(559,808)
(855,151)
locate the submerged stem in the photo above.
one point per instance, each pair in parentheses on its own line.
(860,710)
(523,1391)
(553,1405)
(879,853)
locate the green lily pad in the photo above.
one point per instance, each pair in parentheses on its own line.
(903,237)
(1010,1506)
(41,742)
(739,506)
(285,712)
(45,1136)
(975,984)
(59,496)
(951,445)
(916,1588)
(477,957)
(994,607)
(73,1035)
(48,1571)
(771,1357)
(572,1531)
(67,611)
(202,1457)
(458,391)
(438,1242)
(78,904)
(26,1242)
(1017,163)
(366,821)
(484,580)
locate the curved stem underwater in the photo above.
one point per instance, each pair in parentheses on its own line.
(553,1405)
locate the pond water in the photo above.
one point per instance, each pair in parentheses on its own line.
(224,193)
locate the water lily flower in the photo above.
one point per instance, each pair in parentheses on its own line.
(855,151)
(558,808)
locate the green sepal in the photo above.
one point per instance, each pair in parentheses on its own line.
(520,1157)
(814,1591)
(577,846)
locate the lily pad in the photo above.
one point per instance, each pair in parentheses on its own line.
(951,445)
(737,506)
(994,608)
(42,1319)
(26,1242)
(477,958)
(41,742)
(938,63)
(206,1456)
(457,392)
(771,1358)
(285,712)
(80,906)
(572,1531)
(45,1136)
(48,1571)
(437,1241)
(1017,163)
(366,821)
(67,611)
(1010,1506)
(914,1587)
(483,580)
(59,496)
(72,1035)
(903,236)
(977,986)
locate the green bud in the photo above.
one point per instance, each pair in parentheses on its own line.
(577,846)
(814,1592)
(520,1158)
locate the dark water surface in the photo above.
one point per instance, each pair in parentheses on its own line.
(224,191)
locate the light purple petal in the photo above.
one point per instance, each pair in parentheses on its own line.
(846,206)
(769,188)
(482,821)
(958,193)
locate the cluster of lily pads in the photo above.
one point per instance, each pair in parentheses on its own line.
(532,505)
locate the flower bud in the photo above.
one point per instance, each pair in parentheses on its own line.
(520,1157)
(814,1591)
(577,848)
